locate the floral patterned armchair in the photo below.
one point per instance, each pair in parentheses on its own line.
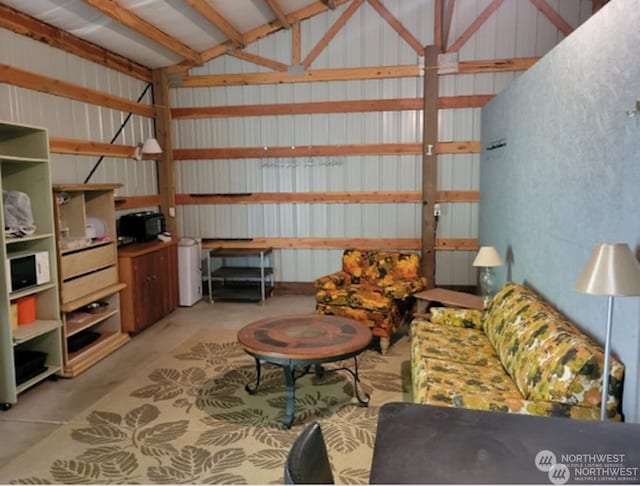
(373,287)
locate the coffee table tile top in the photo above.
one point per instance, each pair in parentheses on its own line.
(304,336)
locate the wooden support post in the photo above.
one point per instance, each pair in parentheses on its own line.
(429,164)
(165,166)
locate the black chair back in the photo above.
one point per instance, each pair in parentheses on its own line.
(308,461)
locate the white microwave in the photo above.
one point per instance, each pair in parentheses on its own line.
(27,269)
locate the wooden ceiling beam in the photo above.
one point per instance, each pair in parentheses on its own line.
(28,26)
(216,19)
(329,3)
(296,44)
(325,107)
(555,18)
(475,25)
(257,34)
(437,25)
(597,5)
(446,23)
(259,60)
(280,14)
(407,36)
(340,74)
(127,18)
(330,34)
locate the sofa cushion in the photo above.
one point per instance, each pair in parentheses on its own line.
(499,403)
(381,323)
(547,357)
(442,382)
(386,267)
(449,316)
(356,296)
(463,345)
(396,272)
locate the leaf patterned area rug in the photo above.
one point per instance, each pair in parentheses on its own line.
(187,419)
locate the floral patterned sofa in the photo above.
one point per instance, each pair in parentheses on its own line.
(519,355)
(373,287)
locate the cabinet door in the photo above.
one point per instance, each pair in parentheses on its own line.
(144,298)
(168,280)
(152,285)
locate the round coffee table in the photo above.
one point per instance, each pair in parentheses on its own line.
(303,341)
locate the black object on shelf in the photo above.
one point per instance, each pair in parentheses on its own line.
(240,291)
(80,340)
(28,363)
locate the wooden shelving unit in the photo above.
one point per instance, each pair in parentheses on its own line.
(86,231)
(24,167)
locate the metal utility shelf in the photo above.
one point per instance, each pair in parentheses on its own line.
(240,282)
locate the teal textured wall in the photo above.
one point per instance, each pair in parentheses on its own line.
(569,175)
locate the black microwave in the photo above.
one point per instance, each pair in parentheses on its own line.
(143,225)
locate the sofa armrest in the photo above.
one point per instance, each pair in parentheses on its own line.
(469,318)
(401,289)
(332,281)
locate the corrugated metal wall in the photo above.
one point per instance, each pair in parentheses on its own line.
(517,29)
(73,119)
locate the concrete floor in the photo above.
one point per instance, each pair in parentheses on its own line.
(50,404)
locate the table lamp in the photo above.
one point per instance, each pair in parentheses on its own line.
(612,270)
(487,258)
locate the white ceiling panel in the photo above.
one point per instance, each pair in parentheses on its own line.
(176,19)
(87,23)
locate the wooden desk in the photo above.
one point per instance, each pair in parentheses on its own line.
(421,444)
(447,297)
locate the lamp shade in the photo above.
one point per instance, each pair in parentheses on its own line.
(612,269)
(487,257)
(151,146)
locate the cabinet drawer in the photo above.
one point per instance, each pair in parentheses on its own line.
(81,262)
(81,286)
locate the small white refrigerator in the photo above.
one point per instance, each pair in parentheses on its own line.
(190,271)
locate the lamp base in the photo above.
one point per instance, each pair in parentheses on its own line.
(487,285)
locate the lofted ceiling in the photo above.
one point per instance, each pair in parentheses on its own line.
(170,33)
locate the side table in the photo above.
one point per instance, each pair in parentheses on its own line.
(447,297)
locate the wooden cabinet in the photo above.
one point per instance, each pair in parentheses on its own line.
(31,352)
(89,283)
(150,271)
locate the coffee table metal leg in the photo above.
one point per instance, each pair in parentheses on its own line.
(356,381)
(252,391)
(290,381)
